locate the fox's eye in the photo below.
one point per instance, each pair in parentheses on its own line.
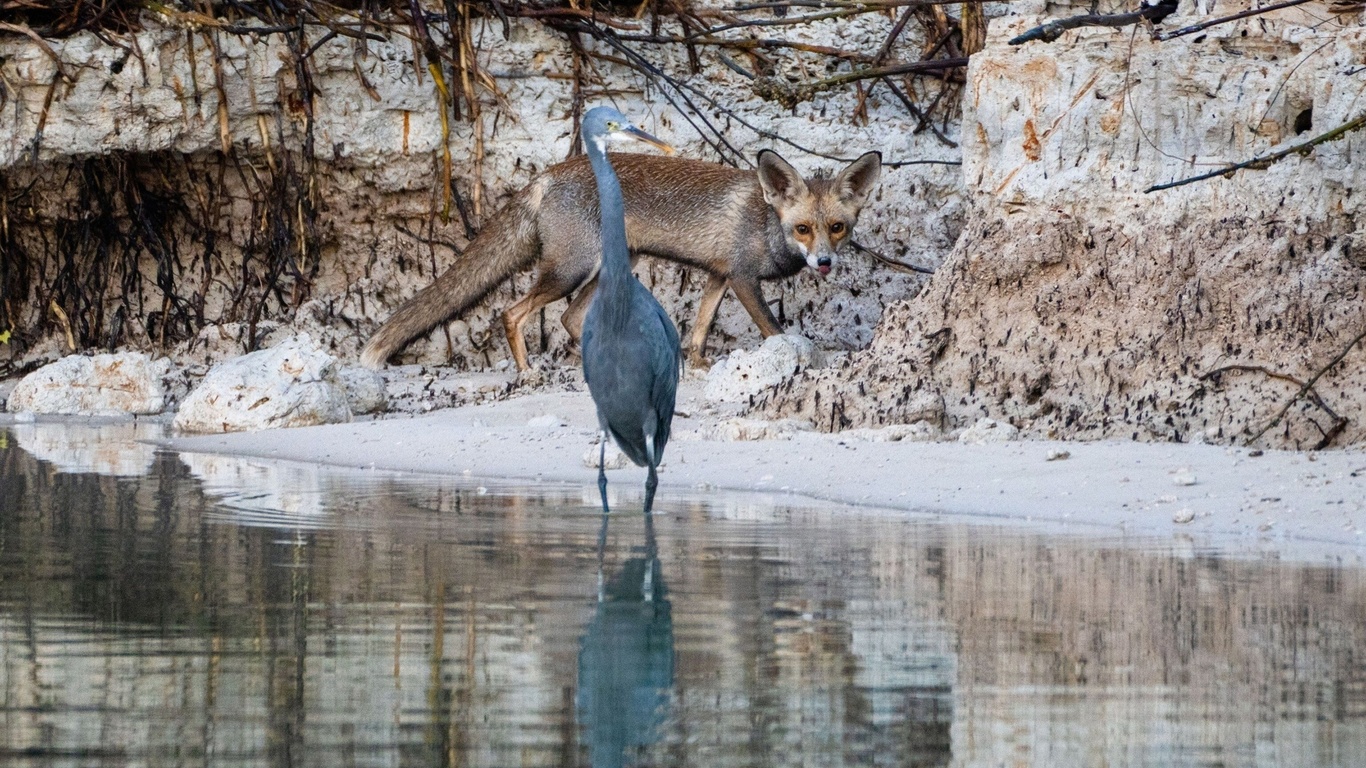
(836,227)
(803,229)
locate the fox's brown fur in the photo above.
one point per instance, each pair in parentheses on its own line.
(738,226)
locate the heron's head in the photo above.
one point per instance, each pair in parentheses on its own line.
(603,126)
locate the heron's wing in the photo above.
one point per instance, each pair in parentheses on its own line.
(664,365)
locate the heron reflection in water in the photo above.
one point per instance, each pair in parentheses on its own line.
(626,658)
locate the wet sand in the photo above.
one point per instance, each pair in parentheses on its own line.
(1284,504)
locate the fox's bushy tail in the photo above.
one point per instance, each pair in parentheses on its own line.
(507,244)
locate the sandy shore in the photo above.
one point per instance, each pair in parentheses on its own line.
(1227,499)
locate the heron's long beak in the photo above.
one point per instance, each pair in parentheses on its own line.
(639,135)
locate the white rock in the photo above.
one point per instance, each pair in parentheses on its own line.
(1183,515)
(1057,455)
(293,384)
(918,432)
(1183,476)
(742,429)
(99,385)
(549,421)
(988,431)
(615,459)
(748,372)
(365,391)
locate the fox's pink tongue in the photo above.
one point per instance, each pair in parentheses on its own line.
(823,270)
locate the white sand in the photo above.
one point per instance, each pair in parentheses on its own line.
(1306,506)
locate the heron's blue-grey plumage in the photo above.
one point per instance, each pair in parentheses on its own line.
(631,354)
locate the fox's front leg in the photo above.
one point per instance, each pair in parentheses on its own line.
(751,296)
(572,319)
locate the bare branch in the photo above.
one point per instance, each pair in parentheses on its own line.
(1307,387)
(1260,163)
(891,262)
(792,94)
(1192,29)
(1054,29)
(37,39)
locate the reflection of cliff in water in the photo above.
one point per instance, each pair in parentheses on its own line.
(430,625)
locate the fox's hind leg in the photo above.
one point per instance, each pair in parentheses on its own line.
(572,319)
(560,273)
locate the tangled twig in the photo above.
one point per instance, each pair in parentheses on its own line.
(1265,161)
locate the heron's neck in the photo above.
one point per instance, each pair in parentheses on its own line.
(616,257)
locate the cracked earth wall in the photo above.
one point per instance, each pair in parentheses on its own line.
(157,110)
(1077,304)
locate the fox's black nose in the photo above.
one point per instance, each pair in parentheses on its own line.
(823,261)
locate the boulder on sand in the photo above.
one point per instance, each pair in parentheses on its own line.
(126,383)
(293,384)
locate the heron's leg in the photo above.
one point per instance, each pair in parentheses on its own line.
(602,472)
(652,481)
(647,585)
(602,553)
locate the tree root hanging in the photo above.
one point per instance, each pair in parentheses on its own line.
(1306,390)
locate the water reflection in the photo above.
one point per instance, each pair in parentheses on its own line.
(626,657)
(391,622)
(259,492)
(116,448)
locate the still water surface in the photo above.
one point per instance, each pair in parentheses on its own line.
(165,610)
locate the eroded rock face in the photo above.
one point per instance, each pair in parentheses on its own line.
(126,383)
(1077,304)
(294,384)
(381,230)
(747,372)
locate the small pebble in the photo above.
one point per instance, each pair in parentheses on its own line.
(1056,455)
(1183,477)
(1183,515)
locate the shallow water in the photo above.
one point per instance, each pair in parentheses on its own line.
(158,609)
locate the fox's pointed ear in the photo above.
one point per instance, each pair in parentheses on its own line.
(855,183)
(780,181)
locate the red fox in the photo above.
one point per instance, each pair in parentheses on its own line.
(738,226)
